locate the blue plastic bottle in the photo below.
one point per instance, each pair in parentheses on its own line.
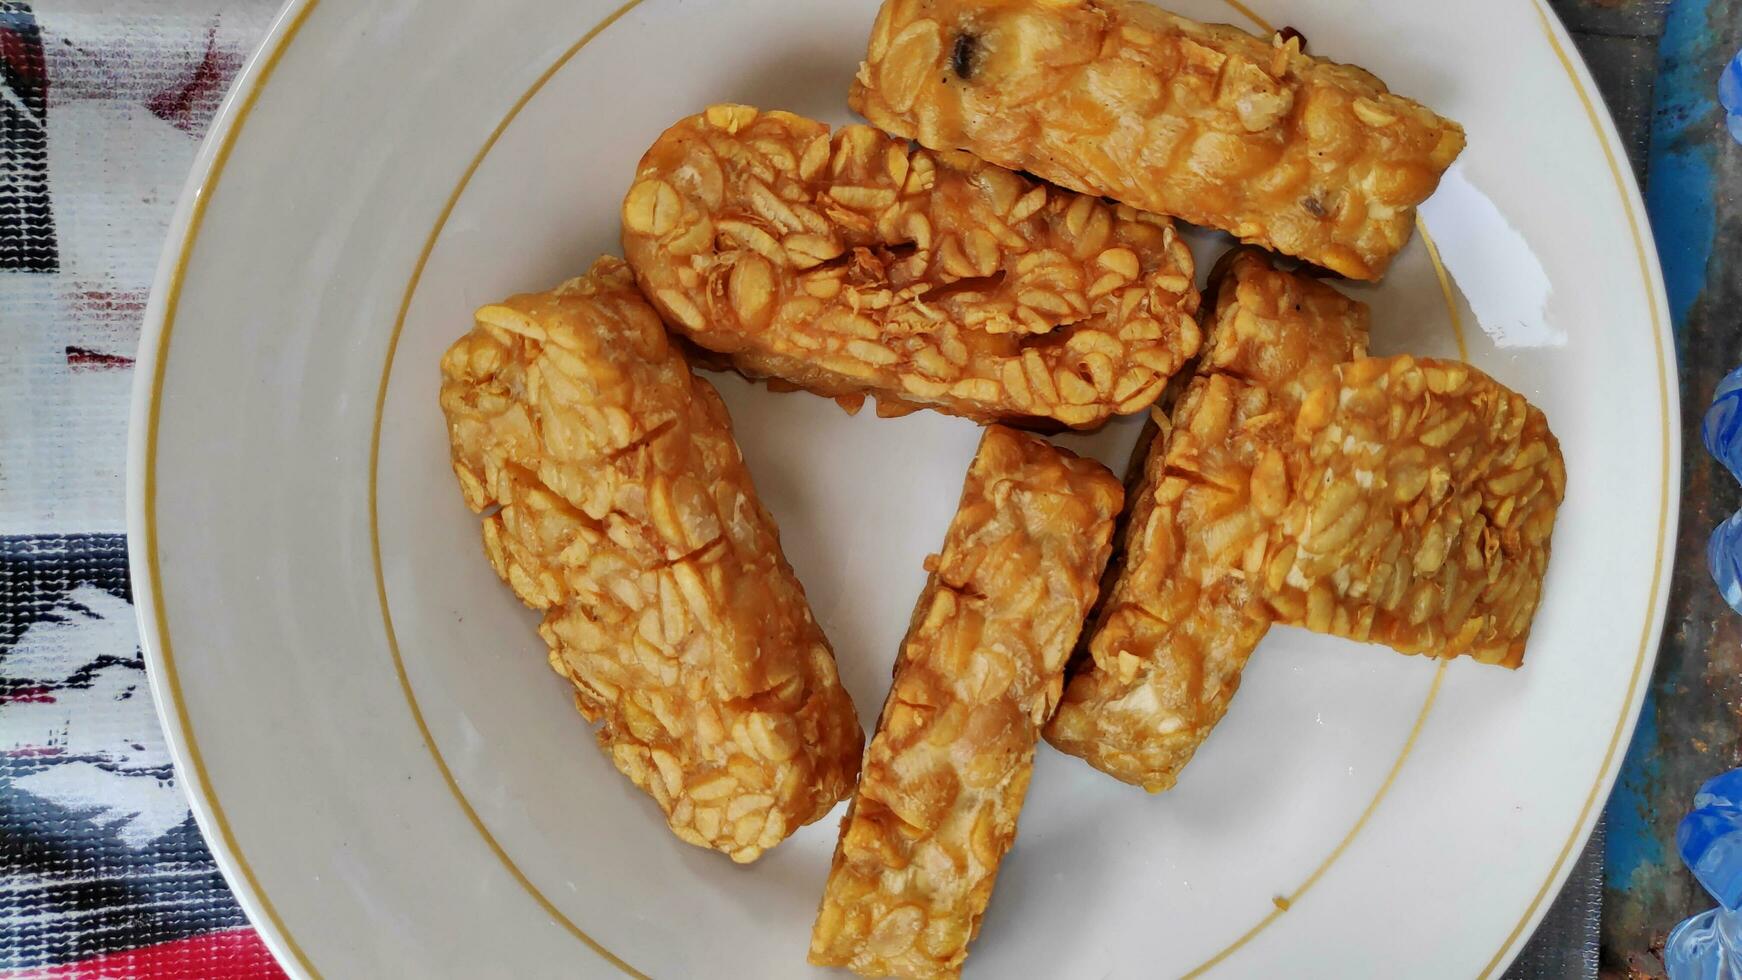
(1730,95)
(1709,945)
(1721,431)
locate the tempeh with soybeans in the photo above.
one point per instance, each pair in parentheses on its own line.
(1203,122)
(616,502)
(1421,515)
(1163,656)
(849,264)
(979,672)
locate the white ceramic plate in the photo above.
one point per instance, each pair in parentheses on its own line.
(395,783)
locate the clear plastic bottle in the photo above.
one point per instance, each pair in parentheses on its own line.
(1709,945)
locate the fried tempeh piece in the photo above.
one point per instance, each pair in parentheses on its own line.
(1421,515)
(850,265)
(1164,655)
(1201,121)
(628,517)
(979,671)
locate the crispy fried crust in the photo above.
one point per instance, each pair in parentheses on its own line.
(628,517)
(1179,620)
(979,672)
(1201,121)
(850,265)
(1421,515)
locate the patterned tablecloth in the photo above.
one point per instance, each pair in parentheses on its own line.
(102,870)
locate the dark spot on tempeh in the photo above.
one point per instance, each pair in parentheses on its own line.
(962,55)
(970,284)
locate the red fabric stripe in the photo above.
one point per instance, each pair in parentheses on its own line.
(83,358)
(234,954)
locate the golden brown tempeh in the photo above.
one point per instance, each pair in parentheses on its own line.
(1420,517)
(979,671)
(628,517)
(849,264)
(1201,121)
(1167,646)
